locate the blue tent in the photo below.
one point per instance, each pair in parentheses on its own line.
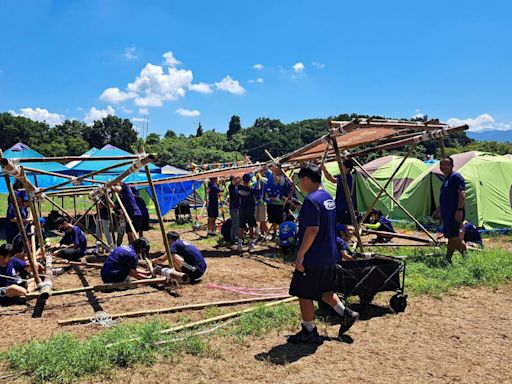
(87,166)
(23,151)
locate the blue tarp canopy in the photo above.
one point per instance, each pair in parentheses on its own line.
(23,151)
(86,166)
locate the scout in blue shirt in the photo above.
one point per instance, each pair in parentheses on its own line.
(315,275)
(379,222)
(246,194)
(342,213)
(12,269)
(123,261)
(471,235)
(451,207)
(133,210)
(185,257)
(11,224)
(213,205)
(344,252)
(288,231)
(74,243)
(234,207)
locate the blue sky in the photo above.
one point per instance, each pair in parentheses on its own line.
(290,60)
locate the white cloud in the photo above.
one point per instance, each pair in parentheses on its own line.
(170,60)
(298,67)
(126,110)
(484,122)
(259,80)
(200,87)
(258,67)
(138,119)
(318,65)
(143,111)
(187,112)
(153,86)
(227,84)
(129,53)
(40,114)
(98,114)
(116,96)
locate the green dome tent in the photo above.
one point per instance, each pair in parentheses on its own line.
(488,189)
(381,170)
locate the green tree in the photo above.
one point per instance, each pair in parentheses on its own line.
(111,130)
(199,131)
(234,126)
(152,139)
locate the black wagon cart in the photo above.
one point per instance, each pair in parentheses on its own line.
(369,274)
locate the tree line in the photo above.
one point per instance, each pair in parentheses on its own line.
(205,146)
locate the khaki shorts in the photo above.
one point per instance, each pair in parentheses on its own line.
(261,213)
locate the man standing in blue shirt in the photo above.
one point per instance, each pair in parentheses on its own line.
(451,207)
(247,198)
(315,275)
(213,205)
(74,243)
(133,210)
(234,207)
(123,261)
(342,213)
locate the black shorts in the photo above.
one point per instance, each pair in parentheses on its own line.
(247,218)
(313,283)
(70,254)
(213,211)
(451,229)
(275,214)
(343,217)
(136,221)
(193,275)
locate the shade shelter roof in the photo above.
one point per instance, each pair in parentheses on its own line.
(23,151)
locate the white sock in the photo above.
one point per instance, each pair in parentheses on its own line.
(339,308)
(308,325)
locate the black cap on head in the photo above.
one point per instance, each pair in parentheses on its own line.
(311,171)
(141,244)
(172,235)
(348,163)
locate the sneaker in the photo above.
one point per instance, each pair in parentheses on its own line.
(347,320)
(306,337)
(251,245)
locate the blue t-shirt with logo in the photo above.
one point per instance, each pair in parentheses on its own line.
(234,201)
(13,269)
(341,200)
(190,254)
(247,197)
(449,197)
(77,237)
(120,261)
(287,233)
(319,210)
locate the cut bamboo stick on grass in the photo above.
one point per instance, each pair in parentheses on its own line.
(397,235)
(88,319)
(213,319)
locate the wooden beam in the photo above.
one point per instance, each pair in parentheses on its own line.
(146,312)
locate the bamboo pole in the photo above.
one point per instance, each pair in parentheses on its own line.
(83,177)
(442,147)
(348,194)
(216,318)
(88,319)
(19,219)
(160,218)
(395,245)
(102,287)
(61,159)
(397,235)
(125,213)
(71,179)
(79,263)
(399,205)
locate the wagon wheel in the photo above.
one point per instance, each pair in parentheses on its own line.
(398,302)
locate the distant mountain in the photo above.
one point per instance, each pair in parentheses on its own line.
(491,136)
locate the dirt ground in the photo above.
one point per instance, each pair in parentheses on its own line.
(466,336)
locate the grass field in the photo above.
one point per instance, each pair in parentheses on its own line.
(64,358)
